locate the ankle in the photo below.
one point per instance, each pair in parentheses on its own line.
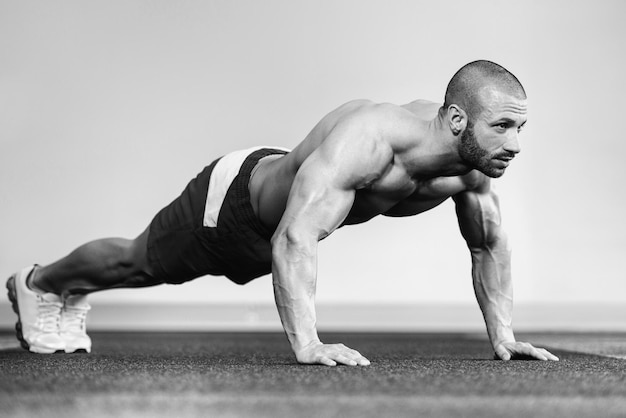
(33,282)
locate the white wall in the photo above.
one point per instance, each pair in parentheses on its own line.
(107,109)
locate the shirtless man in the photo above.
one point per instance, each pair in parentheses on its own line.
(264,210)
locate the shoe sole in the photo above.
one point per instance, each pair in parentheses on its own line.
(18,325)
(69,349)
(77,348)
(78,351)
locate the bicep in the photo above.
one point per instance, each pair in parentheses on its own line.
(478,213)
(316,206)
(325,185)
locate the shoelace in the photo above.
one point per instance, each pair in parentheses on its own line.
(48,315)
(74,319)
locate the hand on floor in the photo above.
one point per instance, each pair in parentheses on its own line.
(516,350)
(330,355)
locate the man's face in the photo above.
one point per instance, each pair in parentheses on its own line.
(490,142)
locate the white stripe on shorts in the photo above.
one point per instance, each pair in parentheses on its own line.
(222,176)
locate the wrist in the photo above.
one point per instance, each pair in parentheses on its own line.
(299,345)
(303,340)
(502,336)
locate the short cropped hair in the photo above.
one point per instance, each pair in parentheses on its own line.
(471,78)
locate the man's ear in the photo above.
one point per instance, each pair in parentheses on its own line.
(457,119)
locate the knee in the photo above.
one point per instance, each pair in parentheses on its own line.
(121,256)
(132,264)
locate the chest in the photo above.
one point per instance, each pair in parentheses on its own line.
(403,197)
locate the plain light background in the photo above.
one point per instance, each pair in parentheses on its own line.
(108,109)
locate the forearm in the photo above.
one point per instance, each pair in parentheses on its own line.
(294,279)
(491,273)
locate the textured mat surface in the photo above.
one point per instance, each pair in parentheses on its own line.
(221,374)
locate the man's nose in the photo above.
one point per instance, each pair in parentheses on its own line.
(512,145)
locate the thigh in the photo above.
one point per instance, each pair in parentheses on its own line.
(139,252)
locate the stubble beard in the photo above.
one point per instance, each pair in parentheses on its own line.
(475,156)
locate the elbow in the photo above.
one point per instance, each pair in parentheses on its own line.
(292,244)
(489,242)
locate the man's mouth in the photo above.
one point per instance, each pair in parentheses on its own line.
(504,160)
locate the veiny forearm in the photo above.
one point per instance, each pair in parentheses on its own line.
(491,273)
(294,278)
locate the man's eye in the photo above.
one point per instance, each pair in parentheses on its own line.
(503,126)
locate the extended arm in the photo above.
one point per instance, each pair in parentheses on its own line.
(478,213)
(320,199)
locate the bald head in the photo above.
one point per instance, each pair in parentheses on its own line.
(468,83)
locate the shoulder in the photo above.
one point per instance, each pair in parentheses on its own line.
(383,125)
(477,194)
(366,127)
(423,108)
(372,113)
(475,182)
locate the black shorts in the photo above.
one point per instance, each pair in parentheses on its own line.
(181,247)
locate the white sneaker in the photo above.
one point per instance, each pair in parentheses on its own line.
(73,324)
(38,315)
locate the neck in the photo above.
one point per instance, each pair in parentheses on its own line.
(444,146)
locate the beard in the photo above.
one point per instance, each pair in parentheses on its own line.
(477,157)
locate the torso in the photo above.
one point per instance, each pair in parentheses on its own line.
(394,193)
(418,196)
